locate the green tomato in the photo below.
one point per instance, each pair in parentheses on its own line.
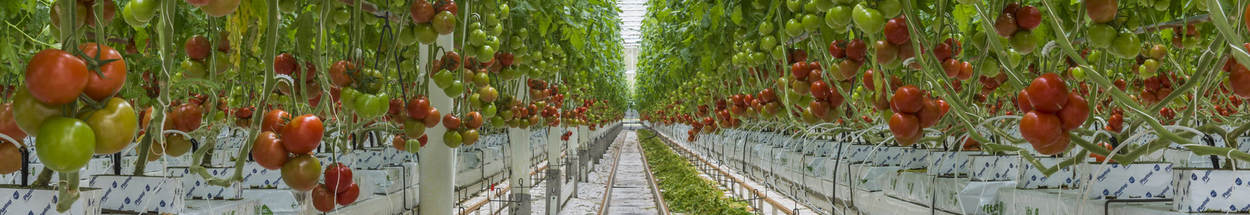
(768,42)
(452,139)
(823,4)
(475,100)
(812,22)
(506,114)
(455,89)
(341,16)
(64,144)
(477,36)
(412,145)
(481,78)
(758,57)
(115,125)
(371,106)
(811,7)
(491,19)
(779,52)
(1023,42)
(766,28)
(348,97)
(890,8)
(444,23)
(408,36)
(793,27)
(838,17)
(425,33)
(30,113)
(504,10)
(1126,46)
(143,10)
(989,67)
(489,111)
(194,69)
(486,53)
(443,78)
(1078,73)
(497,122)
(414,128)
(129,16)
(794,5)
(1101,35)
(868,19)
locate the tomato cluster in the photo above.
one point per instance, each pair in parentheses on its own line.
(438,17)
(1050,112)
(852,53)
(897,47)
(1017,23)
(287,143)
(339,188)
(914,111)
(1154,89)
(55,79)
(1238,77)
(954,68)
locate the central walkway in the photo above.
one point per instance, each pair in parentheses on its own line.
(631,189)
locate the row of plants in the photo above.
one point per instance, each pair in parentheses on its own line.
(1073,79)
(680,184)
(94,78)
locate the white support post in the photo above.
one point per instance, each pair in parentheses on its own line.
(437,161)
(519,140)
(554,165)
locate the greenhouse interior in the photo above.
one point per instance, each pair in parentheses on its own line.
(484,107)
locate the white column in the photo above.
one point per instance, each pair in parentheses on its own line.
(554,178)
(519,141)
(437,162)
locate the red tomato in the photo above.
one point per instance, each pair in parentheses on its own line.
(285,64)
(197,47)
(10,158)
(1239,81)
(323,199)
(98,87)
(432,118)
(1048,93)
(451,122)
(303,134)
(348,195)
(896,31)
(1044,131)
(1022,101)
(274,120)
(1028,17)
(929,114)
(1100,158)
(905,127)
(1075,112)
(907,99)
(56,77)
(418,108)
(186,117)
(8,124)
(338,177)
(268,151)
(952,67)
(338,73)
(856,50)
(399,143)
(302,172)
